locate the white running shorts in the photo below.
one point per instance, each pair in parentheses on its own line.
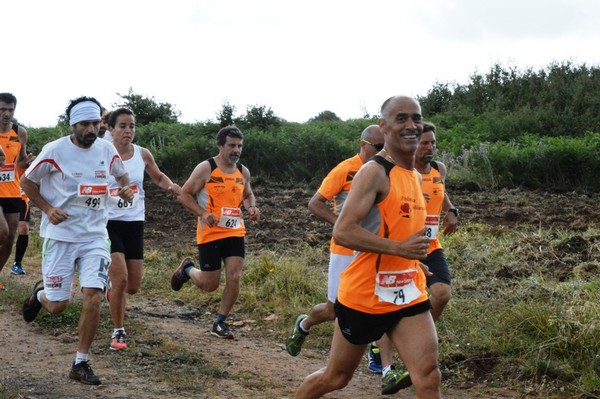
(61,259)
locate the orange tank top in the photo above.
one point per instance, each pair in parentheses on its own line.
(222,195)
(433,184)
(379,283)
(336,185)
(10,186)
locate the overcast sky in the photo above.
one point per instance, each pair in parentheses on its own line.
(298,58)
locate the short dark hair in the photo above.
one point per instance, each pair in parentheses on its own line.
(112,119)
(76,101)
(229,131)
(428,127)
(8,98)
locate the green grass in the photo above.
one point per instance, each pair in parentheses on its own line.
(525,311)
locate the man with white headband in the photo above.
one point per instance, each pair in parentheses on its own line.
(68,181)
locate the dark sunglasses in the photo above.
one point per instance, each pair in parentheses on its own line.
(378,146)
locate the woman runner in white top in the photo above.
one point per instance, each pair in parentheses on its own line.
(126,220)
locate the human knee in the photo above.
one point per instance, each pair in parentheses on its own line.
(441,292)
(330,311)
(446,295)
(7,237)
(428,381)
(340,380)
(131,290)
(56,307)
(92,297)
(209,285)
(119,283)
(23,229)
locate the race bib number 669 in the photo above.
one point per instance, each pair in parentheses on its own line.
(116,202)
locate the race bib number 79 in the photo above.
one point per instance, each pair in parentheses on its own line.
(397,287)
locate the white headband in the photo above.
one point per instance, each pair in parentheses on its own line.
(84,111)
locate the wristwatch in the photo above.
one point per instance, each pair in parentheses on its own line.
(454,211)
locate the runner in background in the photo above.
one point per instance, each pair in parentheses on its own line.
(13,140)
(23,227)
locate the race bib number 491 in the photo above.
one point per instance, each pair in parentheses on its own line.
(91,196)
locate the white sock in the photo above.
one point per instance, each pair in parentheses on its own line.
(81,357)
(39,295)
(302,327)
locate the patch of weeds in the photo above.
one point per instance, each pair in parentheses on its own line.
(10,389)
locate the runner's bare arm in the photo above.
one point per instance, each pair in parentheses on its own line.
(369,186)
(55,215)
(158,177)
(318,206)
(249,199)
(22,157)
(194,184)
(125,191)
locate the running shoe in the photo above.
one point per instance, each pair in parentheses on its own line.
(374,359)
(83,373)
(179,277)
(31,306)
(17,269)
(119,341)
(294,342)
(222,330)
(394,380)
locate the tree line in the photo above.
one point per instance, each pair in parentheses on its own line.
(504,128)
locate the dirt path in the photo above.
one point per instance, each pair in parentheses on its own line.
(255,365)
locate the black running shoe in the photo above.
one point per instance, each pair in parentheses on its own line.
(83,373)
(179,277)
(31,306)
(222,330)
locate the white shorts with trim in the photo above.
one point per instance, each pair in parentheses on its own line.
(337,264)
(60,261)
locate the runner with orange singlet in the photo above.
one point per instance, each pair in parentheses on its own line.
(13,140)
(215,193)
(383,291)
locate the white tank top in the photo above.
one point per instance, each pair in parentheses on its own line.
(134,210)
